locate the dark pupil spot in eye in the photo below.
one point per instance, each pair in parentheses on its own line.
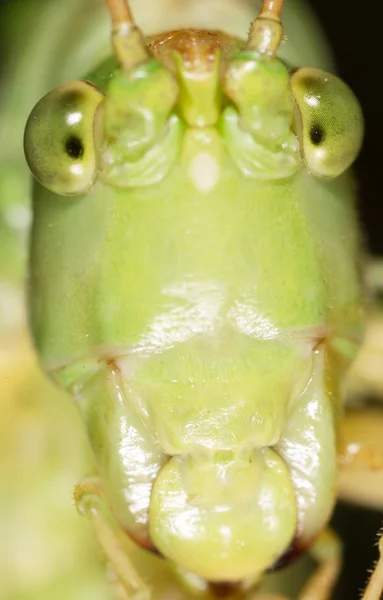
(317,134)
(74,147)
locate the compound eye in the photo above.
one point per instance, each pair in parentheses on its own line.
(60,138)
(330,122)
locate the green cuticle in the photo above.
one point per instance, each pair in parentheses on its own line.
(200,94)
(138,107)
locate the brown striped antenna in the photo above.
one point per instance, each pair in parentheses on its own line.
(266,31)
(271,9)
(128,41)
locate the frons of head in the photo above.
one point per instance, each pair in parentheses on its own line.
(130,48)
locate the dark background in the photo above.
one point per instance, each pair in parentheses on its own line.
(356,36)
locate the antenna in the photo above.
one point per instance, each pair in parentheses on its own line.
(128,41)
(266,31)
(271,9)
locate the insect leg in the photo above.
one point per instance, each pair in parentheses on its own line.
(361,474)
(375,585)
(361,458)
(366,376)
(327,551)
(89,501)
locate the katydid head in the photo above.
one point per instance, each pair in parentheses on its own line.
(196,274)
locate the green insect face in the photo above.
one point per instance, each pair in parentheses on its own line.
(192,293)
(65,132)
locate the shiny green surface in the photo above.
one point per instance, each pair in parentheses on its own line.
(197,278)
(331,122)
(52,575)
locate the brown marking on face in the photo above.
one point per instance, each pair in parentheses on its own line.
(143,542)
(110,362)
(198,48)
(223,589)
(294,551)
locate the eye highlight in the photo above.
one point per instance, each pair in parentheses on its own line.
(329,122)
(59,139)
